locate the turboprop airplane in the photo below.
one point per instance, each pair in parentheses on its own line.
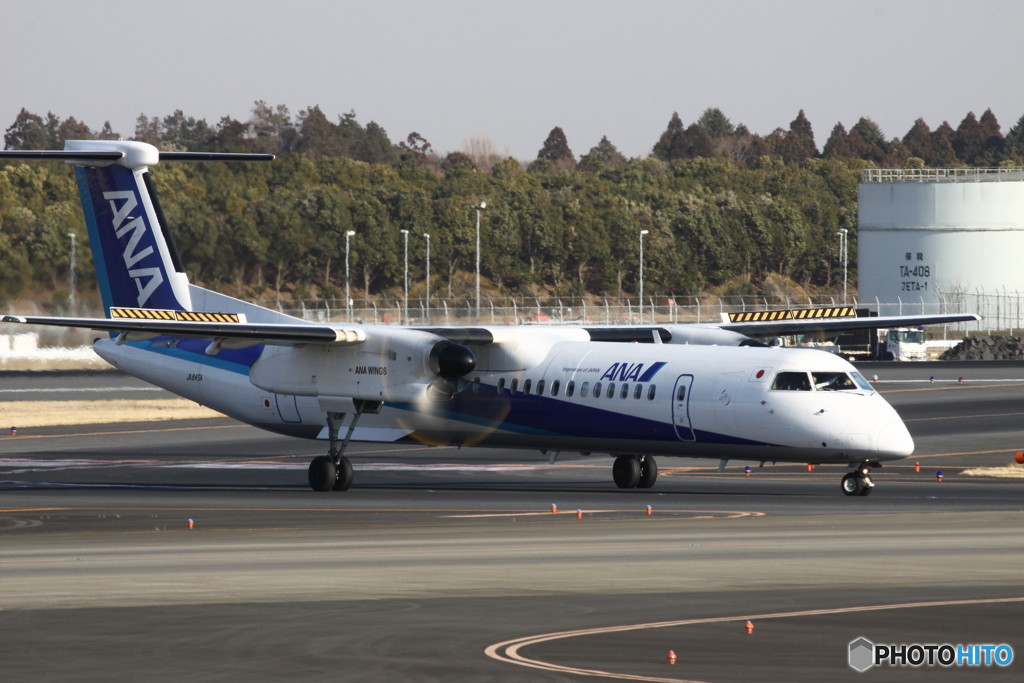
(698,390)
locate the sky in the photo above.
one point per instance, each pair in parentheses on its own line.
(509,72)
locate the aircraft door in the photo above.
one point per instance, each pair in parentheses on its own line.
(681,408)
(287,408)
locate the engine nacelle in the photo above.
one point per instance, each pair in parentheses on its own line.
(709,336)
(392,364)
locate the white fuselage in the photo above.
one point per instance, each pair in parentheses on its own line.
(537,391)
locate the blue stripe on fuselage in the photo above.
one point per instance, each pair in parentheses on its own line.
(588,418)
(194,351)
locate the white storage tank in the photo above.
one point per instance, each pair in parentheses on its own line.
(934,240)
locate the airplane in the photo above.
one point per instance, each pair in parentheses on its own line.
(700,390)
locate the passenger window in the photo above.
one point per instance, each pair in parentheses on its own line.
(540,387)
(501,385)
(584,389)
(651,392)
(597,390)
(638,392)
(554,388)
(611,389)
(681,393)
(791,381)
(515,385)
(526,386)
(625,391)
(476,385)
(570,388)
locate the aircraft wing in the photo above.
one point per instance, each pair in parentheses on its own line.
(240,332)
(771,328)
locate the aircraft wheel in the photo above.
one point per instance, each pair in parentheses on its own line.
(345,475)
(648,472)
(323,475)
(626,471)
(853,485)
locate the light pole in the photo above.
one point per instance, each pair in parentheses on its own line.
(348,299)
(427,308)
(642,233)
(844,256)
(72,274)
(405,292)
(481,207)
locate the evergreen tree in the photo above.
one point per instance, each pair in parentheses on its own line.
(375,147)
(272,129)
(969,140)
(944,154)
(673,143)
(27,132)
(556,150)
(992,140)
(798,143)
(868,142)
(919,141)
(715,123)
(602,157)
(230,135)
(838,144)
(1014,147)
(317,136)
(699,143)
(147,129)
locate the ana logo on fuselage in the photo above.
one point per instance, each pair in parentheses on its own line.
(147,280)
(632,372)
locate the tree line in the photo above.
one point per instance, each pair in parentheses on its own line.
(728,211)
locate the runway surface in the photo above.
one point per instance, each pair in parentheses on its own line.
(448,564)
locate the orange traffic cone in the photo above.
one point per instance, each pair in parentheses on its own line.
(579,514)
(191,524)
(917,466)
(671,656)
(554,508)
(749,626)
(649,511)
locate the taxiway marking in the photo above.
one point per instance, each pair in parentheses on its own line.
(508,651)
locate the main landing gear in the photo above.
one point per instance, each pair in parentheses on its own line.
(858,482)
(333,472)
(635,471)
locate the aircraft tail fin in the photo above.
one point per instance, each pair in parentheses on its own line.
(137,263)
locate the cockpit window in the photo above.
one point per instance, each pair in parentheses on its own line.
(791,381)
(821,381)
(833,381)
(861,381)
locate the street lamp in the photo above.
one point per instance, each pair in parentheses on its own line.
(642,233)
(405,293)
(348,299)
(427,236)
(72,275)
(478,209)
(844,256)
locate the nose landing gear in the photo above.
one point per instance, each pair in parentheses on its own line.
(858,482)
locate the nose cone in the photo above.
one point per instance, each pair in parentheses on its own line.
(894,441)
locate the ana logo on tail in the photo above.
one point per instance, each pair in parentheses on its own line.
(147,280)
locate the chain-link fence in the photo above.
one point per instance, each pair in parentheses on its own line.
(1002,311)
